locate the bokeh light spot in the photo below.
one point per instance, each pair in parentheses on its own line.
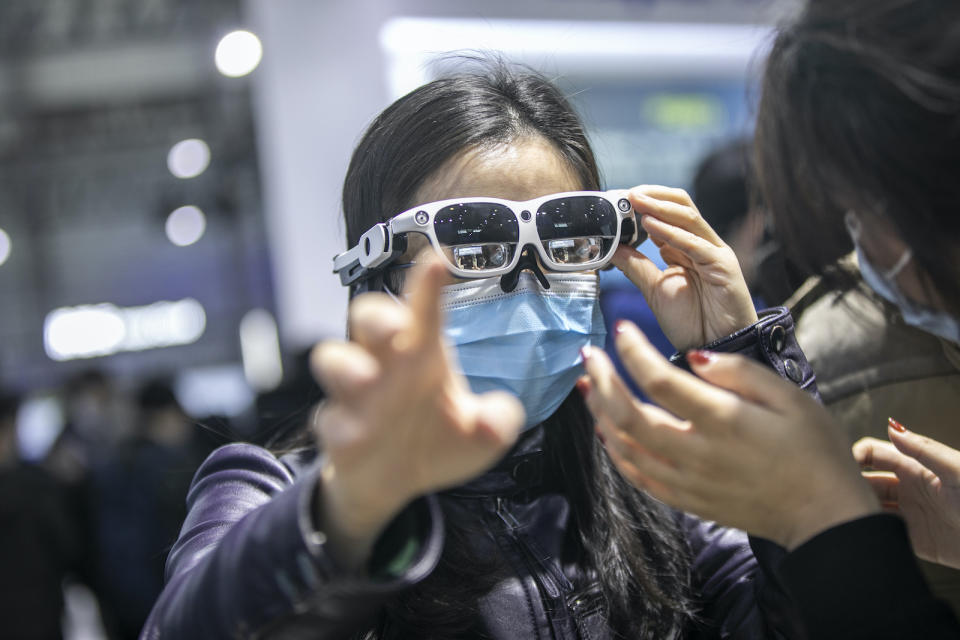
(238,53)
(186,225)
(188,158)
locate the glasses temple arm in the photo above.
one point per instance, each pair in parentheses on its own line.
(377,248)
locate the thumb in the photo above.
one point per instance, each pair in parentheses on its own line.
(639,269)
(746,378)
(499,417)
(942,460)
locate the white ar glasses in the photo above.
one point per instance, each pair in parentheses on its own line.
(485,237)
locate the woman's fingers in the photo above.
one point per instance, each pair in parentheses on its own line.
(376,320)
(641,472)
(610,399)
(746,378)
(886,486)
(873,453)
(638,268)
(700,250)
(648,430)
(879,455)
(344,370)
(672,388)
(423,288)
(942,460)
(674,207)
(498,418)
(636,462)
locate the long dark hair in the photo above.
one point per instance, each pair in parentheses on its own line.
(860,110)
(631,542)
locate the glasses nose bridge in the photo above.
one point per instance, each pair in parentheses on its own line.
(529,237)
(527,260)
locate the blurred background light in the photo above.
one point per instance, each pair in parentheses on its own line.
(260,350)
(188,158)
(238,53)
(214,390)
(677,111)
(163,324)
(83,332)
(89,331)
(620,50)
(40,421)
(5,246)
(185,225)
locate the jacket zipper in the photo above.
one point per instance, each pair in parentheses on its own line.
(541,576)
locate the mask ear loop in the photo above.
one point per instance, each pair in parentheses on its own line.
(528,261)
(854,228)
(386,281)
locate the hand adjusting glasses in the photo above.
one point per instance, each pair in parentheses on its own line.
(486,237)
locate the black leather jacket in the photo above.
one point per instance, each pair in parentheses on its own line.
(250,563)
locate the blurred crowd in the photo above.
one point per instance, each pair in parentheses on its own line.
(96,512)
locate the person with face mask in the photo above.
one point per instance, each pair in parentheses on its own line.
(857,143)
(874,362)
(461,490)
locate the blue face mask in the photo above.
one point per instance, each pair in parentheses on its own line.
(526,342)
(939,323)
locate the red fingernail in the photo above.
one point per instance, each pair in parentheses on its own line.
(896,426)
(620,326)
(701,357)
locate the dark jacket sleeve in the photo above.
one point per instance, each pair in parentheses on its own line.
(771,341)
(861,580)
(736,597)
(249,557)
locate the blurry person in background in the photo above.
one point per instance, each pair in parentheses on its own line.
(140,502)
(872,365)
(98,419)
(40,540)
(725,192)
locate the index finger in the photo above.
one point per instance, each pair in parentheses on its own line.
(942,460)
(675,207)
(674,389)
(639,269)
(423,289)
(880,455)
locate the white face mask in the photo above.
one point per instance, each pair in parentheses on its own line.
(939,323)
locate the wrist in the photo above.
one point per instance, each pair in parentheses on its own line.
(352,515)
(825,512)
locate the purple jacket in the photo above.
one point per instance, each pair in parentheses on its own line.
(250,563)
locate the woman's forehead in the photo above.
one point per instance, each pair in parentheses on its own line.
(520,170)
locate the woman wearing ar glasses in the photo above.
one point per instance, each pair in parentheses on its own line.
(461,490)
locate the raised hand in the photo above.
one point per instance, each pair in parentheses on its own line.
(398,422)
(701,295)
(738,445)
(919,479)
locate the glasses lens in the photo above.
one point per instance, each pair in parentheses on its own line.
(575,250)
(479,257)
(578,229)
(478,236)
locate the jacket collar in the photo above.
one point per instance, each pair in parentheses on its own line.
(522,469)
